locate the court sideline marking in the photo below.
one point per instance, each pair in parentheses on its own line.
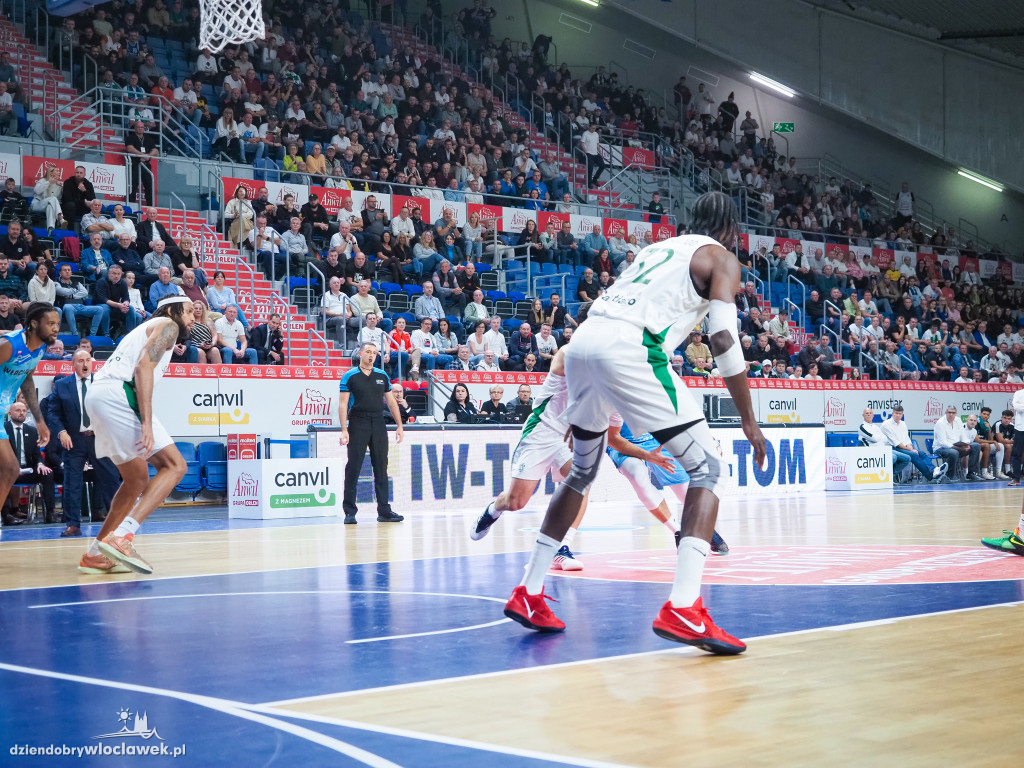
(224,706)
(270,706)
(252,713)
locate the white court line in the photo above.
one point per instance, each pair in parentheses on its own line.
(424,634)
(232,708)
(107,582)
(685,650)
(277,592)
(261,714)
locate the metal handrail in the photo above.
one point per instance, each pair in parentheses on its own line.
(803,292)
(310,268)
(287,317)
(839,339)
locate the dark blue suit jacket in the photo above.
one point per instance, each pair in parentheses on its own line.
(63,411)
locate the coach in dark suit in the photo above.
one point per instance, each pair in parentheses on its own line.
(25,442)
(66,420)
(266,340)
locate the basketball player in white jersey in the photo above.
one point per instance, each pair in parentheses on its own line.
(619,361)
(543,448)
(120,407)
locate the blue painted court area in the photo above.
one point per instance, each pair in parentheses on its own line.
(196,654)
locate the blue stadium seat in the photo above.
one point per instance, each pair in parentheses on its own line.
(390,287)
(495,295)
(516,295)
(69,339)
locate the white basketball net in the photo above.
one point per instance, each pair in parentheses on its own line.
(229,22)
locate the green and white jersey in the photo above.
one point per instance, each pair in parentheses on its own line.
(549,406)
(656,292)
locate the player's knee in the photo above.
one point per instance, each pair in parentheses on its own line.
(709,474)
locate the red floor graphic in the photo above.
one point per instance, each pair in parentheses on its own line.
(832,565)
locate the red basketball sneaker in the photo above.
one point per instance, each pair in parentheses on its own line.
(694,626)
(532,611)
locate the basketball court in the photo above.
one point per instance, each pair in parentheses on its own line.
(879,631)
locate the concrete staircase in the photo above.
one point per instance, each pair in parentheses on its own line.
(67,115)
(254,292)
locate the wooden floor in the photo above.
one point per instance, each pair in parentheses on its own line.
(880,633)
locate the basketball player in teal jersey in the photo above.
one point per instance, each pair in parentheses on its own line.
(20,352)
(642,474)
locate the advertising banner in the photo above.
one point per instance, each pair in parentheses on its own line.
(514,219)
(10,168)
(866,468)
(463,469)
(584,225)
(285,488)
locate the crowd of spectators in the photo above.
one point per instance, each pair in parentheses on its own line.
(931,321)
(972,446)
(332,100)
(124,266)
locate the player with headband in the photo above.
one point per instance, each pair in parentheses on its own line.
(619,361)
(20,352)
(120,408)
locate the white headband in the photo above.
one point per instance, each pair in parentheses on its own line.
(179,299)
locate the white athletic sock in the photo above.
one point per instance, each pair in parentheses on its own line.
(543,555)
(1020,523)
(94,548)
(693,553)
(569,536)
(128,525)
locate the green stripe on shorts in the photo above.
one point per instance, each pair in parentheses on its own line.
(133,398)
(658,361)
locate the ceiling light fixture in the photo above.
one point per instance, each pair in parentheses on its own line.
(981,180)
(767,82)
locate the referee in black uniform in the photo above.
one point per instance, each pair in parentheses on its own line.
(363,391)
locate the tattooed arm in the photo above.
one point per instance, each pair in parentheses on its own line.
(162,337)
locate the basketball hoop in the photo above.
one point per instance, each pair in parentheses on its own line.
(229,22)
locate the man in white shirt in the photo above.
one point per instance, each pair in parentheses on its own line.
(994,362)
(184,94)
(948,432)
(344,240)
(907,269)
(867,306)
(494,340)
(869,432)
(547,345)
(338,307)
(231,338)
(590,142)
(1008,337)
(402,225)
(430,356)
(489,364)
(371,334)
(234,80)
(206,63)
(896,434)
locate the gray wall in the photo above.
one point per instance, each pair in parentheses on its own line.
(890,107)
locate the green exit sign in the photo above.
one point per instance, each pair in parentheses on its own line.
(784,128)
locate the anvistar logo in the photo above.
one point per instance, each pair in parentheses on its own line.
(247,491)
(220,417)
